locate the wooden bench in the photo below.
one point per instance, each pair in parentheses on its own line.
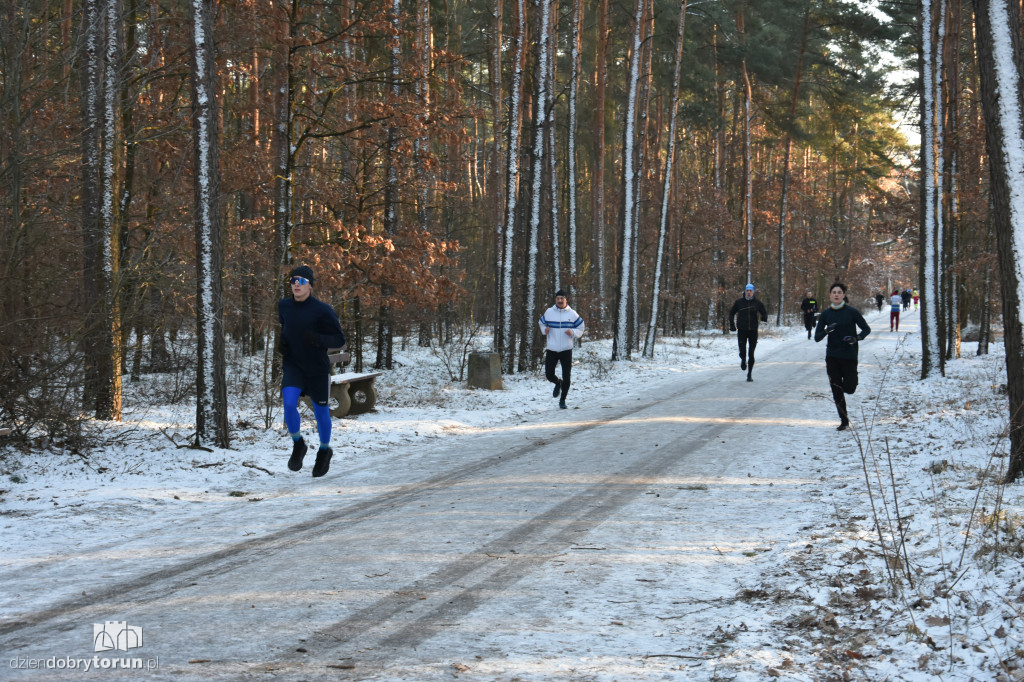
(351,392)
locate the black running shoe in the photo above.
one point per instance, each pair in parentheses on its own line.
(561,405)
(743,364)
(557,390)
(323,462)
(749,378)
(843,426)
(298,452)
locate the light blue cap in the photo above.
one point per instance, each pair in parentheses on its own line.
(750,287)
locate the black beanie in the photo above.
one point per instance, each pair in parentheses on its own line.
(303,271)
(561,293)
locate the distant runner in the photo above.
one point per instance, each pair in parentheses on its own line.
(743,318)
(809,306)
(895,301)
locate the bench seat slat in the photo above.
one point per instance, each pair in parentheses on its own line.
(352,377)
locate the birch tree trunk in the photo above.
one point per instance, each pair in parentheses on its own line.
(999,52)
(211,386)
(601,76)
(549,105)
(539,128)
(574,88)
(666,190)
(620,343)
(505,344)
(931,352)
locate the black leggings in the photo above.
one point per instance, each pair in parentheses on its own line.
(745,337)
(564,358)
(842,377)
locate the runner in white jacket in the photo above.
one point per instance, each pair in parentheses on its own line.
(562,325)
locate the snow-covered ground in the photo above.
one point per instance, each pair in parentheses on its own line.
(793,551)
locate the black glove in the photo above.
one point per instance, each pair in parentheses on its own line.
(313,339)
(732,327)
(850,340)
(283,348)
(829,328)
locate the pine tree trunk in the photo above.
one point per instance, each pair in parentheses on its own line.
(91,25)
(999,54)
(385,318)
(494,188)
(786,163)
(211,385)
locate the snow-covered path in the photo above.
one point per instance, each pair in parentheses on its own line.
(681,528)
(600,524)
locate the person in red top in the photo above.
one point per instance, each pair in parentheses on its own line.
(895,302)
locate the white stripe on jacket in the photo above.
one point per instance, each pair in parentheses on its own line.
(555,321)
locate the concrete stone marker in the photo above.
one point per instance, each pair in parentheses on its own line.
(484,371)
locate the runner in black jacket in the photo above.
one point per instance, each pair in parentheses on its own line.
(308,328)
(743,319)
(839,322)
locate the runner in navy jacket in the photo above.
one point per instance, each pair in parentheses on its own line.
(839,322)
(308,328)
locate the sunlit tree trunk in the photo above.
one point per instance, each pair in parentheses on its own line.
(666,190)
(786,164)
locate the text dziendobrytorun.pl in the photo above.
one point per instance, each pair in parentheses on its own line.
(85,664)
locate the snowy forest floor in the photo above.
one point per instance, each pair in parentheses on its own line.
(902,560)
